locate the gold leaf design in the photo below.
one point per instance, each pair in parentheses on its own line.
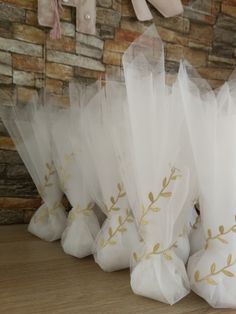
(45,212)
(156,251)
(78,210)
(114,200)
(213,272)
(220,235)
(49,173)
(119,229)
(163,193)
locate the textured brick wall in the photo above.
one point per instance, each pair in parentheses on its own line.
(206,36)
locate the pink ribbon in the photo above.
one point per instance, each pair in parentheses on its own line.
(167,8)
(55,32)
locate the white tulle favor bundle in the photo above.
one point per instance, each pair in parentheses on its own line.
(82,223)
(212,128)
(149,140)
(28,128)
(118,234)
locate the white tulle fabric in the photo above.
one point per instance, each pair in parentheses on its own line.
(118,234)
(150,146)
(82,223)
(28,129)
(212,128)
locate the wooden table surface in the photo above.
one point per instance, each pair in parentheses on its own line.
(37,277)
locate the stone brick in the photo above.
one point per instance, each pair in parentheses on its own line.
(2,169)
(176,23)
(54,86)
(27,63)
(114,71)
(5,58)
(13,216)
(229,7)
(28,33)
(104,3)
(111,58)
(5,29)
(3,131)
(215,73)
(199,46)
(11,13)
(137,27)
(7,96)
(74,60)
(17,172)
(66,44)
(25,95)
(116,46)
(23,78)
(5,69)
(199,17)
(19,203)
(89,40)
(31,18)
(59,71)
(10,157)
(127,9)
(176,52)
(125,35)
(172,37)
(6,80)
(26,4)
(116,5)
(67,29)
(21,47)
(108,17)
(223,60)
(89,73)
(201,33)
(6,143)
(106,32)
(88,51)
(224,36)
(60,99)
(221,49)
(225,21)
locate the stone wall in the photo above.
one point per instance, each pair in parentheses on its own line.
(205,35)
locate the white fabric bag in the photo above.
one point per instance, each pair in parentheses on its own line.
(212,129)
(118,234)
(82,224)
(28,129)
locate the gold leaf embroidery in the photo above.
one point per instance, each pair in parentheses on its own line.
(219,236)
(45,212)
(114,200)
(224,270)
(119,229)
(163,193)
(85,211)
(156,251)
(49,173)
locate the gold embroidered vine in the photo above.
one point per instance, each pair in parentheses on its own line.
(114,200)
(63,171)
(156,251)
(120,228)
(213,272)
(45,212)
(50,171)
(163,193)
(219,236)
(85,211)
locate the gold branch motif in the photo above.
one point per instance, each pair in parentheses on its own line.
(156,251)
(114,200)
(85,211)
(120,228)
(46,212)
(220,235)
(213,272)
(163,193)
(50,171)
(63,171)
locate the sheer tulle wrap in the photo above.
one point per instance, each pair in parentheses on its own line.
(28,129)
(118,234)
(212,128)
(149,144)
(82,223)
